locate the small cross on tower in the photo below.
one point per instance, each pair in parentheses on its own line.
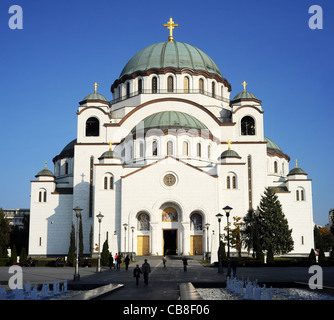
(244,84)
(95,85)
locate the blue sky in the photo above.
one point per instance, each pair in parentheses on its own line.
(65,46)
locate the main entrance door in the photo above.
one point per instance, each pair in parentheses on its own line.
(170,241)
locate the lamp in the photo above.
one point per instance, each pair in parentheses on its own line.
(227,210)
(220,260)
(125,225)
(99,218)
(76,276)
(207,225)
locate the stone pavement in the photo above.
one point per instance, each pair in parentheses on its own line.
(164,282)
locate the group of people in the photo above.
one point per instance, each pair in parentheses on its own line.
(118,261)
(145,270)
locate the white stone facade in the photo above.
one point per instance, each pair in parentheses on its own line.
(125,190)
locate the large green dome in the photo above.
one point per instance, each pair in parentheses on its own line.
(174,54)
(171,119)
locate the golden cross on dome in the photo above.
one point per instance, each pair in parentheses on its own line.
(170,25)
(95,85)
(45,165)
(296,163)
(244,84)
(229,144)
(110,144)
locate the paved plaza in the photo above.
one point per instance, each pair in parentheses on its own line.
(164,282)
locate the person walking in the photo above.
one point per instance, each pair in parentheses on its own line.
(136,273)
(127,261)
(146,269)
(185,263)
(164,260)
(111,261)
(119,260)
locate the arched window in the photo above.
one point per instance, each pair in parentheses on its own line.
(128,89)
(154,148)
(231,181)
(170,148)
(300,194)
(140,85)
(185,148)
(186,84)
(170,84)
(199,150)
(247,126)
(92,127)
(42,195)
(66,167)
(213,85)
(195,221)
(222,91)
(275,167)
(154,85)
(209,151)
(201,85)
(108,181)
(143,222)
(228,182)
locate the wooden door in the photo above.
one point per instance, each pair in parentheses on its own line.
(143,245)
(196,243)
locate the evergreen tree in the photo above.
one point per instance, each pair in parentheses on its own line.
(23,256)
(81,245)
(4,235)
(312,257)
(321,258)
(317,238)
(105,254)
(71,249)
(274,232)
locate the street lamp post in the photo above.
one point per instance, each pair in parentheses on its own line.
(76,276)
(125,225)
(220,260)
(207,225)
(227,210)
(98,268)
(133,230)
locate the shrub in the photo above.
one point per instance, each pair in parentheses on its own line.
(312,258)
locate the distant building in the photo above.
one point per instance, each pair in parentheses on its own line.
(15,216)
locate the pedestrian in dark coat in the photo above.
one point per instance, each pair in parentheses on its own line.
(127,261)
(111,261)
(164,261)
(136,273)
(146,269)
(185,263)
(119,260)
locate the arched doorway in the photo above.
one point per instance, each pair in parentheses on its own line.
(170,219)
(196,237)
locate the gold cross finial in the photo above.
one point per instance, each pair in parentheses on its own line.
(170,25)
(296,163)
(45,165)
(244,84)
(95,85)
(110,144)
(229,144)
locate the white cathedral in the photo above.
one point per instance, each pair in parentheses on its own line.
(162,159)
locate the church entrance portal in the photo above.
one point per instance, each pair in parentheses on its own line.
(170,241)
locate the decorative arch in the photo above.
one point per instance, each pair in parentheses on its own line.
(143,221)
(196,221)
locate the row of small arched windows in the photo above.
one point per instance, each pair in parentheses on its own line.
(170,86)
(171,151)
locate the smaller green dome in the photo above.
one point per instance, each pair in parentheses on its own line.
(95,96)
(297,171)
(110,154)
(229,154)
(245,95)
(44,172)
